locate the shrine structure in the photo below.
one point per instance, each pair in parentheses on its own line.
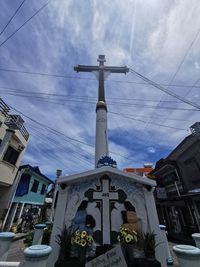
(105,192)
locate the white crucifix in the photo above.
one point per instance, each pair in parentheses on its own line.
(105,195)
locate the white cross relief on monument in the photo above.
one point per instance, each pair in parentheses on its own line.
(105,196)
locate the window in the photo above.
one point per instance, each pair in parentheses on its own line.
(11,155)
(23,185)
(170,178)
(35,186)
(192,169)
(43,189)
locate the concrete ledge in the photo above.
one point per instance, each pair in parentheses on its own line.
(37,252)
(40,226)
(187,252)
(6,235)
(162,227)
(196,237)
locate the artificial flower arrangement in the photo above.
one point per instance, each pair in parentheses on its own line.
(82,239)
(127,236)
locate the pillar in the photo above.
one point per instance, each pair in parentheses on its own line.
(188,256)
(36,256)
(196,237)
(152,215)
(20,213)
(12,216)
(12,195)
(5,241)
(38,234)
(101,145)
(58,225)
(169,259)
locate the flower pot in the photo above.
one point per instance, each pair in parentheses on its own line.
(72,262)
(146,263)
(82,255)
(138,253)
(150,254)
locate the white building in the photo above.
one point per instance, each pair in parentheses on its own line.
(13,141)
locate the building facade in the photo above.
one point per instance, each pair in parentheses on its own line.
(178,187)
(13,142)
(29,197)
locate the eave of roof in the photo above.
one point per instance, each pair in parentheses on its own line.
(34,171)
(105,170)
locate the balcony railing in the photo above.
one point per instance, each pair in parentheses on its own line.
(15,122)
(4,109)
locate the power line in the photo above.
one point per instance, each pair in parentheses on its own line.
(40,9)
(63,149)
(38,98)
(165,90)
(12,17)
(51,129)
(179,67)
(157,124)
(157,117)
(29,93)
(91,79)
(55,131)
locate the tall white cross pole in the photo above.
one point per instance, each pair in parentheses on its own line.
(101,145)
(106,196)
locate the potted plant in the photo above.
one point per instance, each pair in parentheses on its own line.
(139,247)
(81,240)
(128,239)
(150,244)
(147,243)
(64,241)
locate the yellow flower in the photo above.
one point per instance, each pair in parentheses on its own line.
(84,233)
(89,238)
(83,243)
(118,238)
(128,238)
(77,232)
(77,239)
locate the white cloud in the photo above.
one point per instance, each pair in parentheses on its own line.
(152,36)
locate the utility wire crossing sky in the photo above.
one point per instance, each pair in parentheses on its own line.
(149,110)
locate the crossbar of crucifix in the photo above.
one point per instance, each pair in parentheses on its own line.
(101,70)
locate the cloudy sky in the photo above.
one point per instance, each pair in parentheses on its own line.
(158,39)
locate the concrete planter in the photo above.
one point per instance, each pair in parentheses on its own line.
(39,229)
(196,237)
(37,255)
(187,255)
(5,241)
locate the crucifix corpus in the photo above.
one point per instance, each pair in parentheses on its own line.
(103,72)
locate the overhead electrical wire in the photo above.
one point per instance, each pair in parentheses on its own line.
(55,131)
(176,72)
(129,117)
(47,127)
(11,35)
(94,102)
(154,84)
(54,141)
(154,123)
(76,155)
(144,116)
(25,93)
(90,79)
(12,17)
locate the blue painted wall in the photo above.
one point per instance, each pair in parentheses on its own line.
(33,197)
